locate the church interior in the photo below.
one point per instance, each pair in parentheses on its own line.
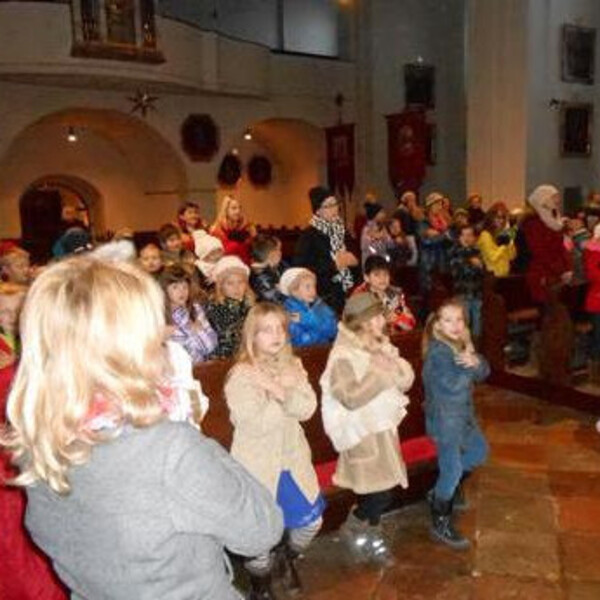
(306,149)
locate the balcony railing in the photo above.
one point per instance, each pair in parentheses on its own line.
(115,29)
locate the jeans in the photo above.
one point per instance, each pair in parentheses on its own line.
(461,446)
(473,309)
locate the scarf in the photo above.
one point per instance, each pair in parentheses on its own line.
(336,233)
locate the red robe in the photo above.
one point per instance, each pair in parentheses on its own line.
(549,258)
(591,264)
(25,573)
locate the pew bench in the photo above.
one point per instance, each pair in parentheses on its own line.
(418,450)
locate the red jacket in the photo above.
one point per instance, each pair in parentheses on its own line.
(25,573)
(237,242)
(591,264)
(549,258)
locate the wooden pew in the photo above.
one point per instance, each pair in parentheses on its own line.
(418,450)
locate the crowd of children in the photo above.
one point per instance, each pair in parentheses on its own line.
(228,293)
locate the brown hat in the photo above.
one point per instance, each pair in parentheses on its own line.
(361,307)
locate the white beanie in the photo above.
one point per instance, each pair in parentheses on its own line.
(229,263)
(290,276)
(204,244)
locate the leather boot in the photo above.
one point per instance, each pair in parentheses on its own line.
(442,529)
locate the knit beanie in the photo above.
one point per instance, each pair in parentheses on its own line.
(204,243)
(73,241)
(317,196)
(372,209)
(229,263)
(290,276)
(361,307)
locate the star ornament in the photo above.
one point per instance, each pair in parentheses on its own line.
(142,101)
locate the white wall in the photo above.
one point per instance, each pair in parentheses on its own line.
(544,163)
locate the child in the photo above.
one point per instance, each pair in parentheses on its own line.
(591,263)
(11,299)
(266,269)
(363,403)
(173,252)
(15,266)
(311,320)
(476,212)
(451,367)
(467,271)
(209,250)
(229,305)
(404,251)
(189,221)
(113,486)
(496,241)
(150,259)
(190,327)
(375,239)
(233,230)
(377,281)
(269,396)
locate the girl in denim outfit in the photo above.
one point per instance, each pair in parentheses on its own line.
(451,367)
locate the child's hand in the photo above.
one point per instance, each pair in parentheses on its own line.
(267,383)
(467,359)
(475,261)
(289,378)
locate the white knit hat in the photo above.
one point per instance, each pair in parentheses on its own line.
(204,244)
(229,263)
(290,276)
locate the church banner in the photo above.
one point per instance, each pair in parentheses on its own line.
(340,158)
(407,149)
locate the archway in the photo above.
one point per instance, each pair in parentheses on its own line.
(296,151)
(111,161)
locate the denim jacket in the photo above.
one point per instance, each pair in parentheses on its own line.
(448,385)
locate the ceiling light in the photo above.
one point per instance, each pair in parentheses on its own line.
(248,135)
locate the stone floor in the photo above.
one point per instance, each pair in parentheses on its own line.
(534,520)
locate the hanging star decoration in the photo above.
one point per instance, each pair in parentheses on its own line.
(143,102)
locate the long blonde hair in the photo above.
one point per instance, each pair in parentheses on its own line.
(222,219)
(89,329)
(431,331)
(247,350)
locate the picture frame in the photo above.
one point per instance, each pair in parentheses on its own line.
(576,129)
(419,86)
(578,54)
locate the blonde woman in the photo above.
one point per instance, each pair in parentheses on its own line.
(126,503)
(269,396)
(234,231)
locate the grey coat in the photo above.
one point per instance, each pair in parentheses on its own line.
(148,518)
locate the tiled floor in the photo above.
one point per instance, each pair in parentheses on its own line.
(534,521)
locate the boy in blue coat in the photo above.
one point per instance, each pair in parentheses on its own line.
(311,320)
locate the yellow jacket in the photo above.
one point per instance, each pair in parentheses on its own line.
(496,258)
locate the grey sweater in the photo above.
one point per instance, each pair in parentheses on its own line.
(148,518)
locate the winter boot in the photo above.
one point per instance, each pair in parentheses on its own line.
(260,587)
(442,529)
(355,535)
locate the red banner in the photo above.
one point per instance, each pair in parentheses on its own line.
(340,158)
(407,149)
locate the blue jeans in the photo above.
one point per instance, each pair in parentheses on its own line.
(461,446)
(473,309)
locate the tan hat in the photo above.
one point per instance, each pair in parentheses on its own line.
(229,263)
(290,276)
(433,198)
(362,307)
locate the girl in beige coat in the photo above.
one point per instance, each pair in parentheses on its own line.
(269,395)
(363,402)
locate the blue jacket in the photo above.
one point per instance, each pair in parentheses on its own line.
(310,324)
(449,386)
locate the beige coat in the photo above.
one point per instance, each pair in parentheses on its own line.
(268,437)
(354,379)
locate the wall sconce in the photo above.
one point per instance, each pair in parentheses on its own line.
(72,136)
(554,104)
(248,134)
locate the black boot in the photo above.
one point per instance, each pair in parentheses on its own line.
(291,579)
(260,587)
(442,529)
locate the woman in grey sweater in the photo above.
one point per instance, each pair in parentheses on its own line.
(127,504)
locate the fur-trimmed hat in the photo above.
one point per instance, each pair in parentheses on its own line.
(317,196)
(372,209)
(229,263)
(361,307)
(204,243)
(290,276)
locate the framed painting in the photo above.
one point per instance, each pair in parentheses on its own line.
(578,54)
(576,129)
(419,85)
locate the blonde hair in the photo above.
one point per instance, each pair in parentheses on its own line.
(431,331)
(247,350)
(295,285)
(222,219)
(218,295)
(88,328)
